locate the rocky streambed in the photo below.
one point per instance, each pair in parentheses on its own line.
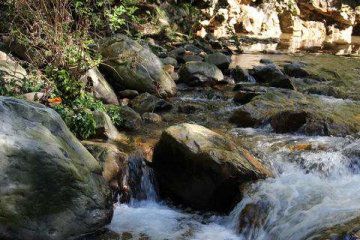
(213,145)
(305,134)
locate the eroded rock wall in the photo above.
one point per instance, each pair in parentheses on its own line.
(331,21)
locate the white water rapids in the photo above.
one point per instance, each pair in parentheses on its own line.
(312,191)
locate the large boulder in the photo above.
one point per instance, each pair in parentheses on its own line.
(50,185)
(202,169)
(132,66)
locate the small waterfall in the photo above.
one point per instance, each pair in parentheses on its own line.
(314,190)
(140,181)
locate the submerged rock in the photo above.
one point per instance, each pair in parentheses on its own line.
(244,97)
(202,169)
(50,185)
(188,108)
(200,73)
(132,66)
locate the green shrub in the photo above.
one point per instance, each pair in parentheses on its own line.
(80,121)
(89,102)
(68,88)
(83,124)
(115,115)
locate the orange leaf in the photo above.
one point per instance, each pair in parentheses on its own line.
(56,100)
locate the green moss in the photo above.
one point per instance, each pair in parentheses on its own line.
(340,75)
(338,113)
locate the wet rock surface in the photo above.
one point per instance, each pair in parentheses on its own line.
(272,76)
(289,111)
(201,168)
(149,103)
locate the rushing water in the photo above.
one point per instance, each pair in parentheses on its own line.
(313,190)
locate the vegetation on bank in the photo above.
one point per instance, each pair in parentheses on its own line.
(56,40)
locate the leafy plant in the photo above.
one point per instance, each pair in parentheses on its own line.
(121,15)
(83,124)
(81,121)
(89,102)
(67,87)
(115,115)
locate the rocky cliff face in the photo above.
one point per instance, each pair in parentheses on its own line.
(331,21)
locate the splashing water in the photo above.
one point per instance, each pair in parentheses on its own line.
(155,220)
(312,191)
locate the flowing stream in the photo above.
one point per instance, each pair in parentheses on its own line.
(312,191)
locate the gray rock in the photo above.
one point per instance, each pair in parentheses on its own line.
(221,60)
(177,53)
(130,94)
(149,103)
(105,128)
(241,75)
(266,61)
(132,66)
(192,58)
(169,61)
(50,186)
(192,48)
(200,73)
(291,111)
(149,117)
(296,70)
(131,120)
(100,87)
(272,76)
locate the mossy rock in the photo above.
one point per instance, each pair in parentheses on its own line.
(338,76)
(50,185)
(132,66)
(291,111)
